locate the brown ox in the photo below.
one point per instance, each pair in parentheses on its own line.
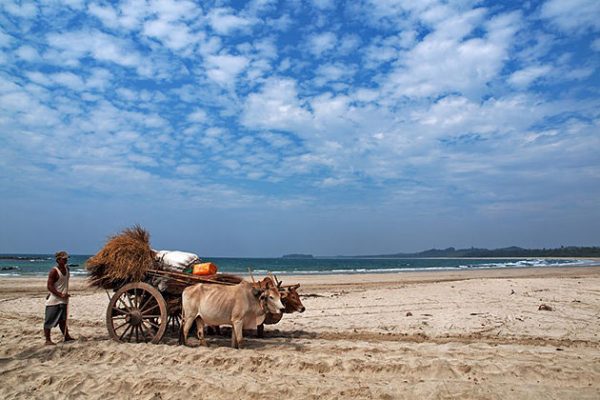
(289,298)
(241,306)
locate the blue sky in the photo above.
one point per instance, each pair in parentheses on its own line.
(262,128)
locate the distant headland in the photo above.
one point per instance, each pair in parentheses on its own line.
(570,251)
(451,252)
(297,256)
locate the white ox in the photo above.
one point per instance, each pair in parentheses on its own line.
(242,306)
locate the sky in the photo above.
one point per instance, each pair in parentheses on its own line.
(261,128)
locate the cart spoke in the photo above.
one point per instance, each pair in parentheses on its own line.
(152,323)
(124,332)
(149,328)
(120,326)
(143,329)
(145,310)
(139,297)
(144,303)
(120,310)
(123,302)
(130,334)
(129,299)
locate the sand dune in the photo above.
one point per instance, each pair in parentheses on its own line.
(471,335)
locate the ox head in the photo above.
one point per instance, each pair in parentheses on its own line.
(266,283)
(291,300)
(270,299)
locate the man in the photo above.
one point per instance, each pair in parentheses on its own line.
(57,300)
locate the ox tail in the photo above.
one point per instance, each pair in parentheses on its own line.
(181,331)
(182,322)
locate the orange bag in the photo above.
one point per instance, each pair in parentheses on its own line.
(204,269)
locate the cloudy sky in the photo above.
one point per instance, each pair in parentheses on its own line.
(266,127)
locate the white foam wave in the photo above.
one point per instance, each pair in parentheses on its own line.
(529,263)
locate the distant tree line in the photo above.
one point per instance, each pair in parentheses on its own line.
(569,251)
(297,256)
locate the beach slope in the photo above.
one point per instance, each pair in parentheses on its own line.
(472,334)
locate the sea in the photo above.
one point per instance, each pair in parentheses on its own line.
(39,264)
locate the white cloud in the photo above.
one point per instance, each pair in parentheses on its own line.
(282,23)
(328,73)
(99,79)
(266,48)
(333,182)
(321,43)
(75,4)
(365,95)
(443,63)
(349,43)
(188,169)
(21,10)
(578,73)
(223,69)
(27,53)
(132,13)
(198,116)
(525,77)
(456,26)
(5,40)
(174,35)
(276,106)
(106,14)
(37,77)
(595,45)
(379,52)
(573,15)
(224,22)
(457,115)
(332,114)
(324,4)
(275,140)
(173,10)
(16,101)
(103,47)
(23,108)
(68,79)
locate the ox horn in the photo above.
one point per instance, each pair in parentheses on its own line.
(273,278)
(251,275)
(278,282)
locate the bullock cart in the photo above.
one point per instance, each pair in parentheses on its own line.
(146,310)
(146,299)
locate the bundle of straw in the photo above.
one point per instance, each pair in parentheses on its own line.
(126,257)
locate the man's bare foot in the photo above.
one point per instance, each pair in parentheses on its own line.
(69,339)
(49,343)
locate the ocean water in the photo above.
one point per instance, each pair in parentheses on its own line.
(40,264)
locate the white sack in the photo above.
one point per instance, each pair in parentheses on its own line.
(176,260)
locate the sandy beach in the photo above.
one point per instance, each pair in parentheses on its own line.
(443,335)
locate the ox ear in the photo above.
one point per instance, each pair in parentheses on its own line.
(257,292)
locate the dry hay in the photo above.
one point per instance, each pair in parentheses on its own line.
(126,257)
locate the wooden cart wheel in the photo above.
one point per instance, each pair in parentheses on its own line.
(174,321)
(137,312)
